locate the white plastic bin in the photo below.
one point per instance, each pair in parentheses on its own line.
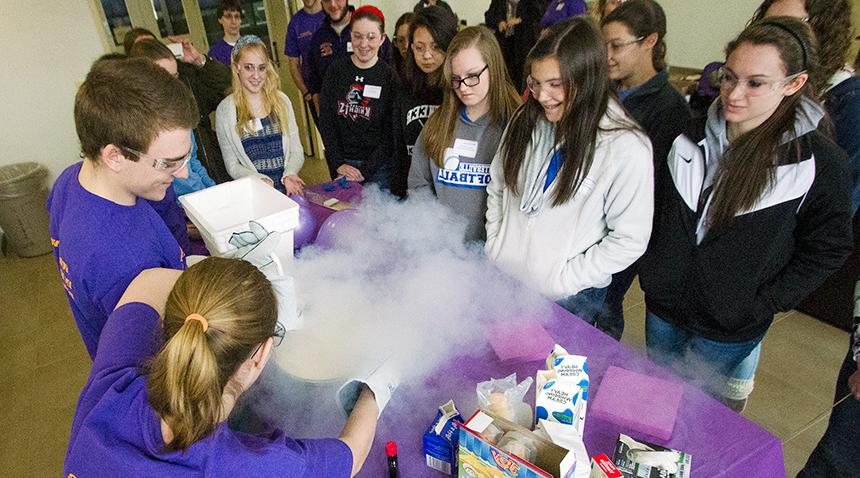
(221,210)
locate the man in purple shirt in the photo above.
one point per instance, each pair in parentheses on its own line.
(133,121)
(302,27)
(558,10)
(230,17)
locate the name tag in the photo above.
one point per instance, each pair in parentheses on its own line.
(559,7)
(257,124)
(372,91)
(465,148)
(349,47)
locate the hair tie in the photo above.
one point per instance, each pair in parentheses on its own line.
(371,9)
(244,41)
(200,319)
(791,32)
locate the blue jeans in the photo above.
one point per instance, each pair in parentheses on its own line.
(741,380)
(586,304)
(707,362)
(611,320)
(838,452)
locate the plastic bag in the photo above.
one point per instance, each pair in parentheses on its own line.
(504,398)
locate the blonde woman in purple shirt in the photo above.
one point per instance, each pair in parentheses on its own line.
(175,356)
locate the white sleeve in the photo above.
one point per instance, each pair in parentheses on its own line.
(629,211)
(294,153)
(495,192)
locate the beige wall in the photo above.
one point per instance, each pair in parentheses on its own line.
(48,46)
(698,30)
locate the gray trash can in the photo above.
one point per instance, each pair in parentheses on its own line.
(23,217)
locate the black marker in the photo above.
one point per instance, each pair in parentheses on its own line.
(391,452)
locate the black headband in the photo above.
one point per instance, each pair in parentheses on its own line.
(792,33)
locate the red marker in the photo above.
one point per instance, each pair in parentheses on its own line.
(391,452)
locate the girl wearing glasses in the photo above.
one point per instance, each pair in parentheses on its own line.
(759,214)
(834,81)
(175,356)
(429,35)
(357,105)
(570,198)
(453,162)
(256,125)
(635,40)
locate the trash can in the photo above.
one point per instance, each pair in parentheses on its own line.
(23,216)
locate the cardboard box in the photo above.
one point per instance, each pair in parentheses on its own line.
(478,458)
(632,466)
(602,467)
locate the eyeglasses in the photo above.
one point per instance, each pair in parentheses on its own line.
(371,37)
(232,16)
(552,87)
(752,86)
(277,337)
(165,165)
(618,46)
(420,49)
(469,80)
(251,68)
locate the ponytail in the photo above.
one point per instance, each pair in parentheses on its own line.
(217,313)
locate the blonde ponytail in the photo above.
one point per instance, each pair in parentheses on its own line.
(186,379)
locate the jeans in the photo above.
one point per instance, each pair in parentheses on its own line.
(611,319)
(742,378)
(585,304)
(707,362)
(838,452)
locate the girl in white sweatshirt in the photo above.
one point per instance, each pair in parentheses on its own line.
(570,199)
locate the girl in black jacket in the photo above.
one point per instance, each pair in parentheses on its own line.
(759,214)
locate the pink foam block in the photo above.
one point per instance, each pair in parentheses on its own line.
(521,341)
(637,402)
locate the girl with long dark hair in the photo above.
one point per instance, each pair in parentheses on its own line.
(570,198)
(759,213)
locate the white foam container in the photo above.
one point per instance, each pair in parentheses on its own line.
(221,210)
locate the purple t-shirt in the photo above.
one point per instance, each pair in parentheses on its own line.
(100,247)
(558,10)
(221,51)
(115,432)
(299,34)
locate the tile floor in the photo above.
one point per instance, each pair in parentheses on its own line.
(45,365)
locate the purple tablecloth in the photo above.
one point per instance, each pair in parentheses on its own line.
(722,443)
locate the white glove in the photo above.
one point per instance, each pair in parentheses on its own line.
(257,246)
(382,382)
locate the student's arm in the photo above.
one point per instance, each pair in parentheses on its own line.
(328,125)
(823,235)
(215,78)
(420,173)
(629,209)
(384,151)
(360,428)
(291,49)
(294,153)
(151,287)
(495,191)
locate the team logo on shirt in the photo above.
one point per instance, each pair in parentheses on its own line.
(460,174)
(420,113)
(356,104)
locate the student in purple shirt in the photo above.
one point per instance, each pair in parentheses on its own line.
(205,336)
(133,121)
(302,27)
(558,10)
(230,17)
